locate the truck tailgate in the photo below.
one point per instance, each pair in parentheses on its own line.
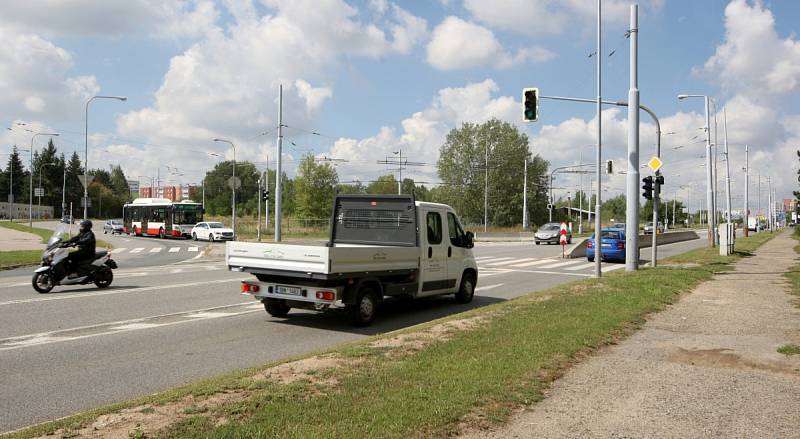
(372,258)
(284,257)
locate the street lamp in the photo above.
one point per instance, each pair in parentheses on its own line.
(709,184)
(233,185)
(30,182)
(86,151)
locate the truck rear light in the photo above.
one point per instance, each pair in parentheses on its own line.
(249,288)
(326,295)
(620,245)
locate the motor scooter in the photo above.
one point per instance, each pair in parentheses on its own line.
(55,268)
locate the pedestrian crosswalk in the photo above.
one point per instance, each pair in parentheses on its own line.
(153,250)
(492,265)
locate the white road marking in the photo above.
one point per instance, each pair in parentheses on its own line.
(480,258)
(513,261)
(109,292)
(118,327)
(137,250)
(488,287)
(156,249)
(119,250)
(192,249)
(563,264)
(585,266)
(531,264)
(488,261)
(174,249)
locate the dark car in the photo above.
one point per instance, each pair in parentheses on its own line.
(113,226)
(550,233)
(613,245)
(67,219)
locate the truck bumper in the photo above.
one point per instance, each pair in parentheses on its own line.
(317,297)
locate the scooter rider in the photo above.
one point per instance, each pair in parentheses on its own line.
(86,246)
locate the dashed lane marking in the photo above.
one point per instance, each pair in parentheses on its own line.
(562,264)
(174,249)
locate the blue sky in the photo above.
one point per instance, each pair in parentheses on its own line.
(374,76)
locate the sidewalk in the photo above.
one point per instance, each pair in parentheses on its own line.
(15,240)
(705,367)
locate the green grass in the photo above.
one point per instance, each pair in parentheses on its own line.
(789,349)
(21,258)
(479,375)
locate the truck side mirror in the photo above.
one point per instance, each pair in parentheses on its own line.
(470,238)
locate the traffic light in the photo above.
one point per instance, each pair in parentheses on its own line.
(530,96)
(610,167)
(647,189)
(265,195)
(659,183)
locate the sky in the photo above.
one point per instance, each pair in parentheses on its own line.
(373,77)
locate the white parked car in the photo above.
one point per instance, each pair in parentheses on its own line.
(212,231)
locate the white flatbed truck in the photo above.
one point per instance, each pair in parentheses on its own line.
(379,246)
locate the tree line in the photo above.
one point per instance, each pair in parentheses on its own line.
(60,179)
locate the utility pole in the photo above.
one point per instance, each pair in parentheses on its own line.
(597,208)
(266,202)
(260,192)
(769,203)
(727,165)
(632,177)
(710,218)
(525,195)
(278,167)
(486,190)
(746,192)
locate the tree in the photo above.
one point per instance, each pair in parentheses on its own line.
(797,193)
(462,167)
(385,184)
(119,184)
(20,176)
(315,187)
(74,185)
(218,192)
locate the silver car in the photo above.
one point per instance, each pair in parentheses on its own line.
(113,226)
(550,233)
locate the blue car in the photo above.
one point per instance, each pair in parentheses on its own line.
(613,242)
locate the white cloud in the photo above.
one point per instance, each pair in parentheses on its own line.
(458,44)
(111,18)
(542,17)
(753,58)
(424,132)
(314,97)
(36,78)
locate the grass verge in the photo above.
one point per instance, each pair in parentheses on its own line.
(793,275)
(466,371)
(21,258)
(789,349)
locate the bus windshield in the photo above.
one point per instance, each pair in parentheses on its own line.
(188,214)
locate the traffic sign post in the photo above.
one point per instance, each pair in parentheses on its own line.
(562,239)
(655,164)
(38,192)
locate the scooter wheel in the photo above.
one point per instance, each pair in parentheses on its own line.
(42,282)
(104,278)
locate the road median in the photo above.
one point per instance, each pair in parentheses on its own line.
(23,248)
(466,372)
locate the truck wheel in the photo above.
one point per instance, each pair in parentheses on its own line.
(467,289)
(276,307)
(365,309)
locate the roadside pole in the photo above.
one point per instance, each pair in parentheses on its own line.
(278,167)
(746,192)
(632,177)
(598,271)
(525,195)
(258,229)
(727,166)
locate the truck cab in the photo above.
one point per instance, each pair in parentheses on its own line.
(379,246)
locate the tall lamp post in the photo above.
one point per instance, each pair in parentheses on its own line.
(233,185)
(86,150)
(710,192)
(30,181)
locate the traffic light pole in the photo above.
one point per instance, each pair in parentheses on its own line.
(260,195)
(632,177)
(656,193)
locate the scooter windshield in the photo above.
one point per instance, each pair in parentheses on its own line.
(60,234)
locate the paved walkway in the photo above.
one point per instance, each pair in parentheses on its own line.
(15,240)
(706,367)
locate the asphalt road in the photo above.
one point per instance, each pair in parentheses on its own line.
(162,325)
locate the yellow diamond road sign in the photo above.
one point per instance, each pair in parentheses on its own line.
(655,164)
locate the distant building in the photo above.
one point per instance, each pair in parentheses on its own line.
(789,204)
(173,193)
(133,186)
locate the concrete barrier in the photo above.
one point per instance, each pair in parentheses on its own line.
(578,249)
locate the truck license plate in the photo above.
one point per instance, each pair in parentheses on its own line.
(283,289)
